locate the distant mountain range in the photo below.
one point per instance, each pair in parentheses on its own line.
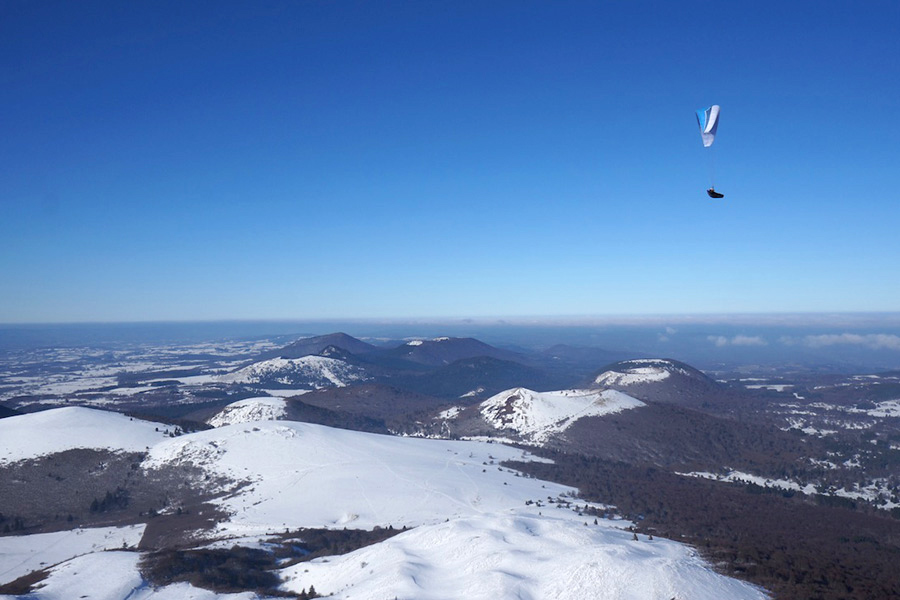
(645,410)
(445,367)
(267,457)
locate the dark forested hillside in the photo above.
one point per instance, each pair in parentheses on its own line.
(681,438)
(788,543)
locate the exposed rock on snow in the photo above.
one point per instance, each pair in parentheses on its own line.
(249,410)
(538,415)
(643,371)
(313,371)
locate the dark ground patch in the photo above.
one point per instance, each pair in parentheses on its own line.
(240,569)
(309,543)
(179,528)
(687,439)
(25,584)
(93,488)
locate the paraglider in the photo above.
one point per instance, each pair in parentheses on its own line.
(708,120)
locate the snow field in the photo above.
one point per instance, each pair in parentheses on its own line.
(306,475)
(115,576)
(38,434)
(522,555)
(20,555)
(474,535)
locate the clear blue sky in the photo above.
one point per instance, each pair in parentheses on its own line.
(219,160)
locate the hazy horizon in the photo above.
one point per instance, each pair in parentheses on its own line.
(842,342)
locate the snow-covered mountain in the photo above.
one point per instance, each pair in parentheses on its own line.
(536,416)
(309,372)
(478,529)
(665,380)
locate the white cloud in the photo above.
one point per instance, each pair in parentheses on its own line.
(718,340)
(738,340)
(748,340)
(875,341)
(665,337)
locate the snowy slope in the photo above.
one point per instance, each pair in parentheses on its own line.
(59,429)
(115,576)
(478,528)
(474,534)
(20,555)
(523,555)
(249,410)
(311,371)
(308,475)
(536,416)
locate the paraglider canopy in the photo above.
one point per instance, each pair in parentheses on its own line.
(708,120)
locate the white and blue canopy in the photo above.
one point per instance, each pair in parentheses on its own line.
(708,119)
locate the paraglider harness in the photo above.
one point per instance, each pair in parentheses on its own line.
(714,194)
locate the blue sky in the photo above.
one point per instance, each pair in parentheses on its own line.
(219,160)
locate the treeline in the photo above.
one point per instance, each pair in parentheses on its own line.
(307,544)
(172,426)
(225,571)
(793,546)
(111,501)
(245,569)
(11,524)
